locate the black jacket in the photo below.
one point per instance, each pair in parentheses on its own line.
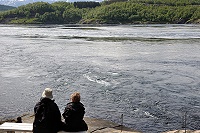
(47,117)
(73,115)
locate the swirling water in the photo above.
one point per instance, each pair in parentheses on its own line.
(148,73)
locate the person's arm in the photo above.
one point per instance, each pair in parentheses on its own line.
(67,112)
(36,108)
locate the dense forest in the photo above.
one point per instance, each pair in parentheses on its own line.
(106,12)
(4,7)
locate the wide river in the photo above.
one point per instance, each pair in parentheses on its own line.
(148,73)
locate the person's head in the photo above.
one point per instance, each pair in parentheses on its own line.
(75,97)
(47,93)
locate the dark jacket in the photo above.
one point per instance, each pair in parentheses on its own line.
(73,115)
(47,117)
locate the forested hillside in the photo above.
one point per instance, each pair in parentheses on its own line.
(4,8)
(106,12)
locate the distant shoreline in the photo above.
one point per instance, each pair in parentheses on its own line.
(106,12)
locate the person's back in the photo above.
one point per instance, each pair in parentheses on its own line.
(73,115)
(47,114)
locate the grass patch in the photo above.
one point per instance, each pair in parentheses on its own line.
(25,21)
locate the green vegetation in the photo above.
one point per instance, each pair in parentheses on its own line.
(106,12)
(4,7)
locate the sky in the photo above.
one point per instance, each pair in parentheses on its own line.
(17,3)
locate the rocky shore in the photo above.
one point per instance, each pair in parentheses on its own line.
(94,125)
(102,126)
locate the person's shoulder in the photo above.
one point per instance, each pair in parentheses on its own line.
(79,104)
(53,102)
(70,104)
(38,103)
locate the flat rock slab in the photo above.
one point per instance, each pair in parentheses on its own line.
(103,126)
(183,131)
(94,125)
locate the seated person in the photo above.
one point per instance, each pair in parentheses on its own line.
(47,114)
(73,115)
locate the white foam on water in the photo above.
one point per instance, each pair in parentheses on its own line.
(96,79)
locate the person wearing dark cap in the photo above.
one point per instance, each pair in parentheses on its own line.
(47,114)
(73,115)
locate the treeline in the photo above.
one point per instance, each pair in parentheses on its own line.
(159,2)
(43,12)
(4,7)
(86,4)
(169,2)
(130,12)
(106,12)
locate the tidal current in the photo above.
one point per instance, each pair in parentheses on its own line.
(148,73)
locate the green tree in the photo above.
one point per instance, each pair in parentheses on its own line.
(72,15)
